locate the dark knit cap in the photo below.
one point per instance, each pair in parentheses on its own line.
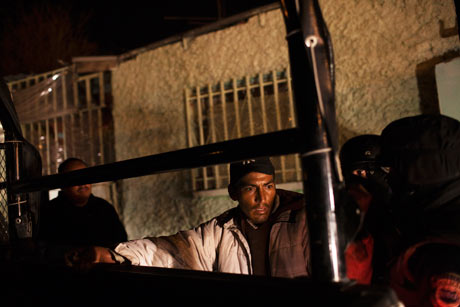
(360,152)
(241,168)
(423,149)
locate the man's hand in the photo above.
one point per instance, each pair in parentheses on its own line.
(85,258)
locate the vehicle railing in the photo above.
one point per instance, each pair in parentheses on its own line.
(270,144)
(315,140)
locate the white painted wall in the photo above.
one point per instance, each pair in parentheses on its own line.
(448,85)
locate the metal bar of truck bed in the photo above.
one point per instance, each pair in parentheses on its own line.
(269,144)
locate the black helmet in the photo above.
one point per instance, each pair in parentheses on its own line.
(360,152)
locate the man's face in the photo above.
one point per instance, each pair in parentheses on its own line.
(78,194)
(255,193)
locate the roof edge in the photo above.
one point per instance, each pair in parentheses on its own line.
(215,26)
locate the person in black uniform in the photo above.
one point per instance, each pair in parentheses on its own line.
(423,153)
(77,218)
(366,181)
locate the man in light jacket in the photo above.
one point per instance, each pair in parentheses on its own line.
(266,234)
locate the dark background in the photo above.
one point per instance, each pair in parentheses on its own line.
(122,27)
(41,35)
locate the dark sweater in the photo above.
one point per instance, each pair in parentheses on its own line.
(96,223)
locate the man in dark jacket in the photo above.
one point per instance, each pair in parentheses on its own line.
(78,218)
(423,153)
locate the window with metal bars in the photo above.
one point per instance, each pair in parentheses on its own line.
(237,108)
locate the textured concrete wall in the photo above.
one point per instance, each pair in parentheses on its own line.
(378,46)
(149,115)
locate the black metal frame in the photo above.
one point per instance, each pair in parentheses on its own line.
(270,144)
(315,141)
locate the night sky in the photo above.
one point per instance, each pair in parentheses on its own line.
(125,25)
(115,27)
(122,27)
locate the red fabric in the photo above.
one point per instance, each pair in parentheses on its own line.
(358,259)
(362,197)
(358,255)
(439,290)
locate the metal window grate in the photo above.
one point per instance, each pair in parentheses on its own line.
(66,115)
(239,108)
(4,238)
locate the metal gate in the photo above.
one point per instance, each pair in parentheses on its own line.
(3,195)
(66,115)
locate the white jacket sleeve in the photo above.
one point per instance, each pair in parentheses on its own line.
(192,249)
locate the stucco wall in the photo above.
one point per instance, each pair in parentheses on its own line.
(149,115)
(378,46)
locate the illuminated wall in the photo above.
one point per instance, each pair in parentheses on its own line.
(380,48)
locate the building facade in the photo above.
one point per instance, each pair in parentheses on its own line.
(188,91)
